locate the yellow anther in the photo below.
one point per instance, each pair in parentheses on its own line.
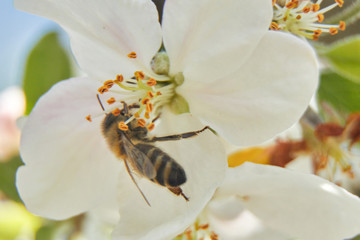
(317,32)
(139,75)
(116,112)
(109,83)
(342,25)
(150,94)
(333,31)
(151,126)
(147,115)
(306,9)
(320,17)
(88,117)
(151,82)
(141,122)
(315,7)
(123,126)
(274,26)
(145,101)
(111,100)
(119,79)
(132,55)
(103,89)
(340,2)
(149,107)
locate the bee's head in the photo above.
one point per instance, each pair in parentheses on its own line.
(111,120)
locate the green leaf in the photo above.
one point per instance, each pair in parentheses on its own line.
(47,64)
(344,56)
(341,93)
(7,178)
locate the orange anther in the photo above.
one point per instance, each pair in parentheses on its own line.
(342,25)
(149,107)
(151,126)
(88,117)
(204,226)
(339,2)
(123,126)
(290,5)
(111,100)
(136,115)
(103,89)
(274,26)
(151,82)
(273,2)
(141,122)
(158,93)
(315,37)
(298,17)
(132,55)
(333,31)
(108,83)
(116,112)
(315,7)
(317,32)
(147,115)
(139,75)
(150,94)
(145,101)
(320,17)
(119,78)
(306,9)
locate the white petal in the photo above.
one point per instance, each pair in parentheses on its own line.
(68,167)
(102,33)
(207,38)
(204,161)
(268,94)
(302,205)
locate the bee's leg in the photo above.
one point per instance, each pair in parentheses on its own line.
(178,191)
(134,105)
(177,136)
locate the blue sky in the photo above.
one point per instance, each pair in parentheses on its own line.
(19,31)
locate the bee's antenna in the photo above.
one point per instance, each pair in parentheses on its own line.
(98,97)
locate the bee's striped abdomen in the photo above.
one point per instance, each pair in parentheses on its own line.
(168,172)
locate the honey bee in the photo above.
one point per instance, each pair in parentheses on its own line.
(140,155)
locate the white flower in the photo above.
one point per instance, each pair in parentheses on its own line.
(221,64)
(267,202)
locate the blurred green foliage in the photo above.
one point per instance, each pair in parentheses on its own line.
(344,56)
(47,64)
(7,177)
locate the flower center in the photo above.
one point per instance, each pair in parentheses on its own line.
(147,95)
(303,18)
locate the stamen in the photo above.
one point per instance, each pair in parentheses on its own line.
(333,31)
(158,93)
(136,115)
(109,83)
(342,25)
(274,26)
(145,101)
(88,117)
(151,82)
(111,100)
(141,122)
(306,9)
(339,2)
(149,107)
(150,94)
(151,126)
(123,126)
(103,89)
(119,79)
(315,7)
(147,115)
(298,17)
(116,112)
(317,32)
(132,55)
(139,75)
(320,17)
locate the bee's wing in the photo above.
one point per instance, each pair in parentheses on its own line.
(138,159)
